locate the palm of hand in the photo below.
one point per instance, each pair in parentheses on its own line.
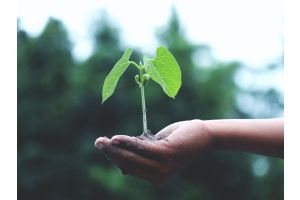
(155,161)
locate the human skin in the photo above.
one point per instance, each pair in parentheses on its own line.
(181,142)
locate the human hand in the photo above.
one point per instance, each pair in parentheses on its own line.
(156,161)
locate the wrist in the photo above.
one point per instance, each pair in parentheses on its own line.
(215,137)
(208,136)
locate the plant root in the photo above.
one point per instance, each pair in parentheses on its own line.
(147,136)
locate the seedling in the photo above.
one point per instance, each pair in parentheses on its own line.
(163,69)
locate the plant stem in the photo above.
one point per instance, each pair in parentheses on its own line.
(145,130)
(136,65)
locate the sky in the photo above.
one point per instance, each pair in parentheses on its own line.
(246,31)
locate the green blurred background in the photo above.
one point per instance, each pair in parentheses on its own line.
(60,115)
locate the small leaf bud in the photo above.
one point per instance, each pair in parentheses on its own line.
(146,78)
(137,80)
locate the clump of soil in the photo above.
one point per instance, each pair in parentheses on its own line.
(147,136)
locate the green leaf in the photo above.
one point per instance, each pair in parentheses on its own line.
(114,75)
(165,70)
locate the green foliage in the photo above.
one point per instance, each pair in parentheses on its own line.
(164,70)
(114,75)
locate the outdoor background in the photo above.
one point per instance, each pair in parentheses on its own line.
(60,113)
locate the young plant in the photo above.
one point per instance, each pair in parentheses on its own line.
(163,69)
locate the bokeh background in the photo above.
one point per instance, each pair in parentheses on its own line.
(60,113)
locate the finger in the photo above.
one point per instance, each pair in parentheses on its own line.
(130,158)
(165,132)
(149,149)
(134,164)
(101,141)
(131,163)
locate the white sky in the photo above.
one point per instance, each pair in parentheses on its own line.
(248,31)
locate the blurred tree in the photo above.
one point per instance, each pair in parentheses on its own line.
(44,156)
(261,96)
(43,65)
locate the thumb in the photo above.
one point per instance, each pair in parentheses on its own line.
(165,132)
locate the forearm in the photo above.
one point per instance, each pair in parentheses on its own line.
(262,136)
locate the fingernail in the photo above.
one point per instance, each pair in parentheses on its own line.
(98,144)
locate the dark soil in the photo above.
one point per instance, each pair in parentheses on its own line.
(147,136)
